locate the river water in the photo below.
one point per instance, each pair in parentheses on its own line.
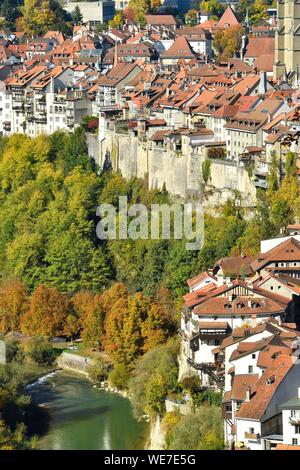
(84,418)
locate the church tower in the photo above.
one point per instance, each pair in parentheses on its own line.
(287,38)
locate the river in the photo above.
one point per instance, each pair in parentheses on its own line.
(84,418)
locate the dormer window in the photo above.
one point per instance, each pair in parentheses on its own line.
(227,305)
(270,380)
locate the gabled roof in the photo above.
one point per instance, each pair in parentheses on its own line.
(199,278)
(161,20)
(241,382)
(227,19)
(288,250)
(180,49)
(266,388)
(260,45)
(234,265)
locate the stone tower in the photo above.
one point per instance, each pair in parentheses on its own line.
(287,38)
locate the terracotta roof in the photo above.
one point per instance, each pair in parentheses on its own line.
(116,74)
(180,49)
(269,353)
(241,382)
(258,46)
(265,388)
(199,278)
(235,265)
(247,84)
(191,32)
(223,306)
(288,250)
(227,19)
(248,347)
(226,397)
(158,136)
(287,447)
(161,20)
(215,325)
(265,62)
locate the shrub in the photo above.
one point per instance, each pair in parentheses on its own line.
(191,383)
(206,170)
(39,351)
(217,153)
(200,431)
(207,398)
(154,377)
(99,370)
(13,351)
(119,377)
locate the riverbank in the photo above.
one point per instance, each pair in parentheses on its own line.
(85,418)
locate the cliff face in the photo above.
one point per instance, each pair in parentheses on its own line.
(157,435)
(179,172)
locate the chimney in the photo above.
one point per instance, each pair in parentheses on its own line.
(263,83)
(248,393)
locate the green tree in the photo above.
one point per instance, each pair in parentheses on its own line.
(37,17)
(119,376)
(157,368)
(214,7)
(200,431)
(39,351)
(228,41)
(77,15)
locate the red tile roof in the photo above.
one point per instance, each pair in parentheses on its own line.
(241,382)
(265,389)
(161,20)
(234,265)
(180,49)
(288,250)
(259,46)
(199,278)
(227,19)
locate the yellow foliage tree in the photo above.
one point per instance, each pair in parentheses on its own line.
(37,17)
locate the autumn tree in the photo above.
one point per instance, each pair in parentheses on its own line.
(93,323)
(214,7)
(259,13)
(191,18)
(117,21)
(13,304)
(155,5)
(228,41)
(37,17)
(140,8)
(47,313)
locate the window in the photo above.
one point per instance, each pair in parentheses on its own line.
(293,413)
(294,441)
(250,369)
(253,356)
(251,430)
(297,429)
(217,342)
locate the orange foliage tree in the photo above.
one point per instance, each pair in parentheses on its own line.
(13,304)
(47,313)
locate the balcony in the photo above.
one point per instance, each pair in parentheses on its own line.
(261,184)
(252,436)
(41,119)
(209,369)
(17,106)
(7,126)
(39,97)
